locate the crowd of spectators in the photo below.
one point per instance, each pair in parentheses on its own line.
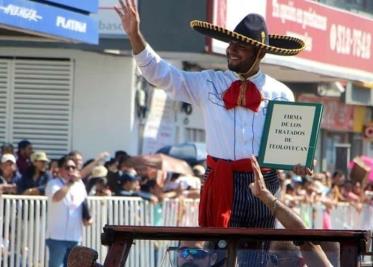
(27,172)
(326,188)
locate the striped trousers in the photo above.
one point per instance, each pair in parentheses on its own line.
(249,211)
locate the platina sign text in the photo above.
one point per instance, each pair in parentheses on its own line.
(48,20)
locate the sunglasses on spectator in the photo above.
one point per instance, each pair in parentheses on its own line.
(196,253)
(70,167)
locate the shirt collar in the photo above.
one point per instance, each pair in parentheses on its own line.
(256,77)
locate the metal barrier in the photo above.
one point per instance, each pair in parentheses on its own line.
(22,228)
(23,225)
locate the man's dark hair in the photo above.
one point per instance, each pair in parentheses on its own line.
(73,153)
(110,162)
(88,162)
(23,144)
(338,173)
(119,154)
(218,247)
(123,161)
(63,160)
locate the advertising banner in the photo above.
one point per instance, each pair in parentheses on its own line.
(337,41)
(332,36)
(45,20)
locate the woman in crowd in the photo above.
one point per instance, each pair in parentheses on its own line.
(36,177)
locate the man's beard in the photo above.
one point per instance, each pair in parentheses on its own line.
(241,68)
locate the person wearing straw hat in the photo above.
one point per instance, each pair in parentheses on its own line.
(233,104)
(36,177)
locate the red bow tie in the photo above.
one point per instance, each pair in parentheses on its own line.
(244,94)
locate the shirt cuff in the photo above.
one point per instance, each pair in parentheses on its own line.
(145,57)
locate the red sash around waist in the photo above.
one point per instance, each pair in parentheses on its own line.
(215,206)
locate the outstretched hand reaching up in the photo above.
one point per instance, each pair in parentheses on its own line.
(130,18)
(258,187)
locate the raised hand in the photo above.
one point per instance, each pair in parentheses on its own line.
(258,187)
(102,157)
(74,176)
(302,170)
(129,16)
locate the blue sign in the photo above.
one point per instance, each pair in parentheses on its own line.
(90,6)
(43,19)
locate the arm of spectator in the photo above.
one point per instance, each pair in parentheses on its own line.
(314,255)
(328,202)
(173,193)
(193,193)
(357,205)
(8,188)
(148,196)
(41,189)
(38,190)
(34,191)
(100,159)
(302,170)
(60,194)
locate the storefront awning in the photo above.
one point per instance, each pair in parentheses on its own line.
(49,20)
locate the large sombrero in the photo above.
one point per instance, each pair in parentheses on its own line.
(252,30)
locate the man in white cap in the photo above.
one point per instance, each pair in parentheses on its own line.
(8,174)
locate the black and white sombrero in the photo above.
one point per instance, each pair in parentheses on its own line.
(252,30)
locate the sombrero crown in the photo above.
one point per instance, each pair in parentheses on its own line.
(252,30)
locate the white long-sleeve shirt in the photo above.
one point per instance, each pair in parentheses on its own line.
(64,221)
(230,134)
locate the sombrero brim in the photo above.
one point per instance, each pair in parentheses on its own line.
(277,44)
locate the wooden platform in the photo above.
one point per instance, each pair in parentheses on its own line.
(120,239)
